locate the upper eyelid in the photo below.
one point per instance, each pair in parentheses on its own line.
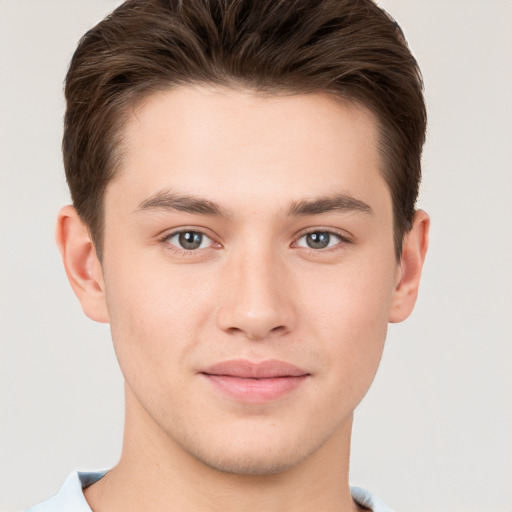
(186,230)
(172,232)
(341,234)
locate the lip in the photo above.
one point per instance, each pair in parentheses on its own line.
(261,382)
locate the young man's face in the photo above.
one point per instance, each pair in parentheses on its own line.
(249,272)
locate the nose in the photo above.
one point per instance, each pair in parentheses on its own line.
(257,299)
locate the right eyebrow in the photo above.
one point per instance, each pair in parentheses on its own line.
(167,200)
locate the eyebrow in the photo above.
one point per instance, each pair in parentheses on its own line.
(167,200)
(336,202)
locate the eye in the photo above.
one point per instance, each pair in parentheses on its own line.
(189,240)
(319,240)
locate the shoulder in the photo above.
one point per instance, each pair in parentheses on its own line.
(70,496)
(367,499)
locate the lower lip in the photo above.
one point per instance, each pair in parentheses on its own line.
(255,390)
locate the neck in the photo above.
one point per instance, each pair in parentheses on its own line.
(155,473)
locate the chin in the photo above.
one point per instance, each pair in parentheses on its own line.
(251,452)
(263,463)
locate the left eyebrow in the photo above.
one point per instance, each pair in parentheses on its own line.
(337,202)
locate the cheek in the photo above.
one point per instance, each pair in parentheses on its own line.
(356,297)
(349,314)
(155,317)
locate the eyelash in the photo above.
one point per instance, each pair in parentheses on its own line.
(341,240)
(194,252)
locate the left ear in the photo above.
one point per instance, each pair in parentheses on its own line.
(414,249)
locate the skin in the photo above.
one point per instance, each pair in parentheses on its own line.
(253,290)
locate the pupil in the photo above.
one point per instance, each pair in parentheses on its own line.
(318,240)
(190,239)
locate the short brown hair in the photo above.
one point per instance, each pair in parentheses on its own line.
(349,48)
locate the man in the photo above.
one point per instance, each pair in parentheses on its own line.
(244,177)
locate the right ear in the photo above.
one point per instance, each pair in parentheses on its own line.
(82,265)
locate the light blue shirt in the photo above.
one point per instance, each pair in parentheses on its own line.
(71,498)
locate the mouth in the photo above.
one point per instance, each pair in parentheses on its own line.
(246,381)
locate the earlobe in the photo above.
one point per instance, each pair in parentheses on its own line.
(414,249)
(81,263)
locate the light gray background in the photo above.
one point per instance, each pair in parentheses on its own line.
(435,431)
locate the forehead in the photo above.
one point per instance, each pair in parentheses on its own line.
(224,142)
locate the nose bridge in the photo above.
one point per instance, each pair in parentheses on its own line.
(256,300)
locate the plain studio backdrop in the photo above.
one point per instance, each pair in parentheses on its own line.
(435,431)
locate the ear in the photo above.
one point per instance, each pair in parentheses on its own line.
(81,263)
(414,249)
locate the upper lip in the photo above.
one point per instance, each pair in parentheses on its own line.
(244,369)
